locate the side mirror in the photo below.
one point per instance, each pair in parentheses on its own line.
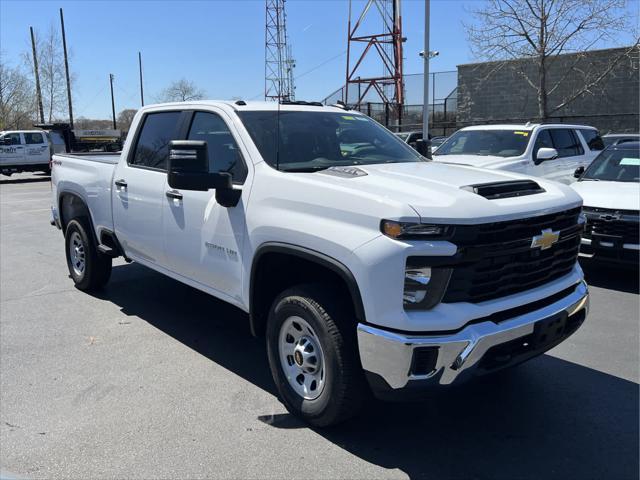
(545,154)
(189,170)
(424,148)
(578,173)
(5,141)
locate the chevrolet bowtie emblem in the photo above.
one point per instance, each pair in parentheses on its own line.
(545,240)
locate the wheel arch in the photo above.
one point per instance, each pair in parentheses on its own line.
(264,289)
(70,206)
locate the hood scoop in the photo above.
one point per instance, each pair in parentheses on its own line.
(496,190)
(345,171)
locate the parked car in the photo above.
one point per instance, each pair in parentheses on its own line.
(436,142)
(24,151)
(616,138)
(610,188)
(552,151)
(366,268)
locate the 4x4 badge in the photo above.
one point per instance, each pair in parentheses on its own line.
(545,240)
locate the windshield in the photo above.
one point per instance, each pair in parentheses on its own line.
(311,141)
(500,143)
(615,166)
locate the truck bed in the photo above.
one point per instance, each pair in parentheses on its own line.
(90,177)
(101,157)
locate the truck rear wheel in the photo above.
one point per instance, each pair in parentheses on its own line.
(89,269)
(313,357)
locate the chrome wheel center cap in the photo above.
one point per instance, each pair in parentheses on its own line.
(305,354)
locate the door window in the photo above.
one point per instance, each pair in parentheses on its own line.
(152,147)
(593,139)
(15,138)
(31,138)
(566,142)
(224,154)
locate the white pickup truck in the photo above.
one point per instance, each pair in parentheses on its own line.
(365,266)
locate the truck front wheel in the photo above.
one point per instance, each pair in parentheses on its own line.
(89,269)
(313,357)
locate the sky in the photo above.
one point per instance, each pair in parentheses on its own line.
(219,45)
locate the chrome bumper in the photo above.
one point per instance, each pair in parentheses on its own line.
(389,355)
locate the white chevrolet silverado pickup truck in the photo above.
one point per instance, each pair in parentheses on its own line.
(366,267)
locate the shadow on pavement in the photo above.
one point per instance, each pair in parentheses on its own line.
(548,418)
(31,179)
(600,274)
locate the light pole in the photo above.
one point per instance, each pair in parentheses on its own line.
(425,107)
(113,104)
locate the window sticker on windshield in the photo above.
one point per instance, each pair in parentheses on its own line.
(630,161)
(524,134)
(347,117)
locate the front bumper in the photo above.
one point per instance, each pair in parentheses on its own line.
(610,248)
(389,358)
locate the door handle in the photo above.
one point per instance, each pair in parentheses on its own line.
(174,195)
(121,183)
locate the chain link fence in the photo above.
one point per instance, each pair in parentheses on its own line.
(443,103)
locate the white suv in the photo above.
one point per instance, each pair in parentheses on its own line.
(552,151)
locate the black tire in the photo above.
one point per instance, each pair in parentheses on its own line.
(344,386)
(97,266)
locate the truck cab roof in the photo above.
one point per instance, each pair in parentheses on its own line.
(240,105)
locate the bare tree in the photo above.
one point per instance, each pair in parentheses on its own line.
(542,30)
(52,74)
(125,117)
(181,91)
(17,104)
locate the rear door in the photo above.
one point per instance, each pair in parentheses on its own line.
(139,187)
(37,149)
(203,239)
(12,154)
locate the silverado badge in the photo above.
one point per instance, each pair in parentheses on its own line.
(545,240)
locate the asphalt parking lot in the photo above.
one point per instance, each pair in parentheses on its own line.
(153,379)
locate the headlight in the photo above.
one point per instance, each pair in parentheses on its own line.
(414,231)
(424,286)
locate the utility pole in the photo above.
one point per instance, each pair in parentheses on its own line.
(113,104)
(141,88)
(425,107)
(66,69)
(35,68)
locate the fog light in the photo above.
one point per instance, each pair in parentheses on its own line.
(415,284)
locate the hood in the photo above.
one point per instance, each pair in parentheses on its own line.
(612,195)
(483,161)
(433,190)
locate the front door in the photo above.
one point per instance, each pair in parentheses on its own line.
(570,151)
(203,240)
(139,187)
(550,169)
(12,154)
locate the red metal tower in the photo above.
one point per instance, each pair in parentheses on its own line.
(385,45)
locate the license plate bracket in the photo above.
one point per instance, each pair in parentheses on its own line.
(550,329)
